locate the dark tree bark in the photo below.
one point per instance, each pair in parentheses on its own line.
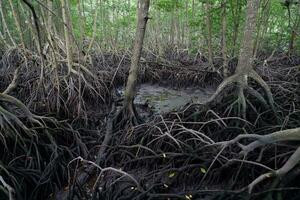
(130,92)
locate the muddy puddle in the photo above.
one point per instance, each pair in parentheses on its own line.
(165,99)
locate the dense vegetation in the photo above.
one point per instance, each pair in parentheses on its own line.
(182,24)
(67,132)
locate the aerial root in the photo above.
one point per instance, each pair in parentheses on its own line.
(84,177)
(253,74)
(242,102)
(230,80)
(11,191)
(127,117)
(13,83)
(288,166)
(261,140)
(257,95)
(241,80)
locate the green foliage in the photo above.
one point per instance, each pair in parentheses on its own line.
(168,5)
(116,22)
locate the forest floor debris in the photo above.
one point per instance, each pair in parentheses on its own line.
(170,156)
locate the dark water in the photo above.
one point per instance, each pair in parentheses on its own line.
(165,99)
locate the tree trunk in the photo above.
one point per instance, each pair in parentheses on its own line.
(186,37)
(236,13)
(143,8)
(67,29)
(209,33)
(294,35)
(5,27)
(94,29)
(18,27)
(172,28)
(244,68)
(82,22)
(224,46)
(262,25)
(245,57)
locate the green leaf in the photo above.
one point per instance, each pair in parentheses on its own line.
(203,170)
(172,174)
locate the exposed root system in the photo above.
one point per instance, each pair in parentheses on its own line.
(68,137)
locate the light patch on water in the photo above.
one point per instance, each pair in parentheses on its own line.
(165,99)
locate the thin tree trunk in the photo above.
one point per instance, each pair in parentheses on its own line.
(34,42)
(67,35)
(262,24)
(177,27)
(130,91)
(209,33)
(185,37)
(224,45)
(18,27)
(5,27)
(2,39)
(159,35)
(236,13)
(94,28)
(294,35)
(172,30)
(82,22)
(49,18)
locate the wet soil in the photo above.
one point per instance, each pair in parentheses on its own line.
(163,99)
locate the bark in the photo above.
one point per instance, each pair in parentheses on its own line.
(10,190)
(294,34)
(177,27)
(82,21)
(224,45)
(67,29)
(33,43)
(209,33)
(18,27)
(172,28)
(159,36)
(186,37)
(2,40)
(49,28)
(262,140)
(94,29)
(245,57)
(5,27)
(50,24)
(244,68)
(236,10)
(130,92)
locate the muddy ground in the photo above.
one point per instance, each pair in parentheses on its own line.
(169,156)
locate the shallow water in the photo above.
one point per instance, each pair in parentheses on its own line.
(165,99)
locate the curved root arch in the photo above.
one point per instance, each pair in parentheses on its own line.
(262,140)
(241,79)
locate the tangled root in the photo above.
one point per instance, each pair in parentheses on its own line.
(242,80)
(127,117)
(261,140)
